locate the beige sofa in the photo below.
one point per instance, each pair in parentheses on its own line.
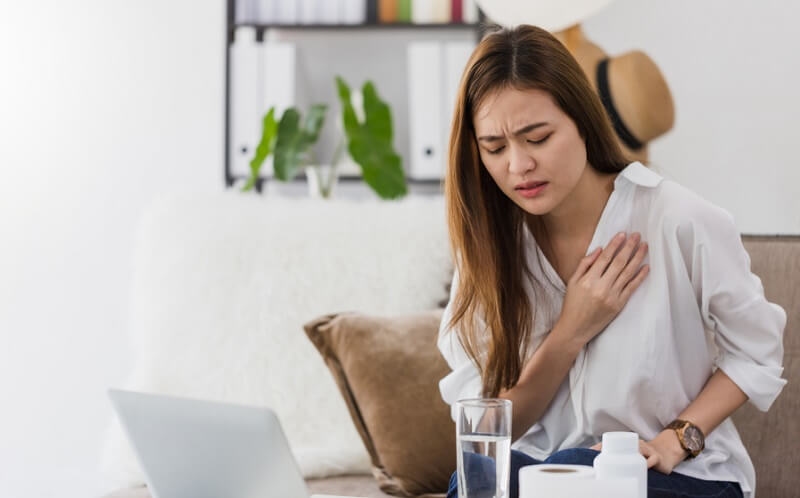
(772,438)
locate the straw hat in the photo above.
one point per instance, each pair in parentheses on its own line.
(552,15)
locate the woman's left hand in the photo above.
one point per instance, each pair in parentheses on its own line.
(663,453)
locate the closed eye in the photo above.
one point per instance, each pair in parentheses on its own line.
(538,142)
(496,151)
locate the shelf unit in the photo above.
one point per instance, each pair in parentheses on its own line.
(231,26)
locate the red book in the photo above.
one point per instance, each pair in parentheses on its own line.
(456,11)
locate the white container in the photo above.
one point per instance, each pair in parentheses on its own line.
(620,458)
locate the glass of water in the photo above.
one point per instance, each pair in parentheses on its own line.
(483,440)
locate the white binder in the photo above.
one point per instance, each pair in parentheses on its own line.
(425,110)
(278,76)
(277,83)
(245,102)
(434,73)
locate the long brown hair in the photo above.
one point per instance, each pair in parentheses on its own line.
(492,312)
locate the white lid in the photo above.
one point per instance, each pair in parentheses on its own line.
(620,442)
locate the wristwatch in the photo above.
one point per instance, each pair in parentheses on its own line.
(689,435)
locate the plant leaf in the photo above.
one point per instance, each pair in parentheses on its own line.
(314,121)
(285,144)
(370,143)
(268,130)
(349,119)
(381,167)
(377,113)
(293,144)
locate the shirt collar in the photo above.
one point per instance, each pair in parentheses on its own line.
(638,174)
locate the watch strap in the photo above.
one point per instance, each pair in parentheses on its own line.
(677,424)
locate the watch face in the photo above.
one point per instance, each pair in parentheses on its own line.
(693,438)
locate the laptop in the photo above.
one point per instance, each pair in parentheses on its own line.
(190,448)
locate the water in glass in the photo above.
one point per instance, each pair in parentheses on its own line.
(492,455)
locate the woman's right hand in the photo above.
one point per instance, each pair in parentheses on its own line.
(601,285)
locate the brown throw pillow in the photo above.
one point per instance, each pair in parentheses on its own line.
(388,370)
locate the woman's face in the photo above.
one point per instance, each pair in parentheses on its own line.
(530,147)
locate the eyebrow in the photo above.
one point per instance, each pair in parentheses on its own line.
(521,131)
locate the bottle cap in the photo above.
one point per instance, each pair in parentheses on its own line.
(620,442)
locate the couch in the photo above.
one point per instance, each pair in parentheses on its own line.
(335,284)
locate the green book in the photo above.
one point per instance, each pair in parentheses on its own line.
(403,10)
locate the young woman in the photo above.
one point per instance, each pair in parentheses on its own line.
(593,293)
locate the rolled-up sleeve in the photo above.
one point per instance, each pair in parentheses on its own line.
(748,329)
(464,380)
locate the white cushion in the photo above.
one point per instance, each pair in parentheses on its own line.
(223,284)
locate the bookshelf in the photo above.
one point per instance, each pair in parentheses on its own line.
(262,30)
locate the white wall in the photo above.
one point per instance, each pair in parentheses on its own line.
(734,72)
(103,105)
(106,104)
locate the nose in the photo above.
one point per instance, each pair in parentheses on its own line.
(520,160)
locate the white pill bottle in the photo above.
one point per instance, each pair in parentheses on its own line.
(620,458)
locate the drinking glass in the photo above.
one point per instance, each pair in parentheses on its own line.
(483,445)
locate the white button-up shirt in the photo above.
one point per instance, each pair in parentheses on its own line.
(699,309)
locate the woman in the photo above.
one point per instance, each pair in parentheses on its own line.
(594,294)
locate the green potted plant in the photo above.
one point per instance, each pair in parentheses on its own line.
(368,141)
